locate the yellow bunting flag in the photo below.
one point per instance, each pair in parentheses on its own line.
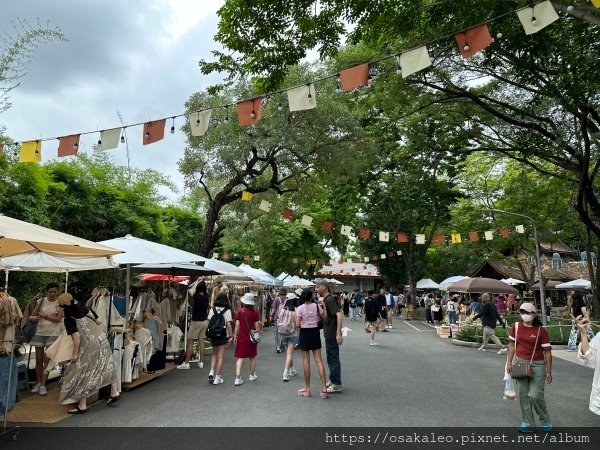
(420,239)
(313,261)
(247,196)
(31,151)
(489,235)
(456,238)
(265,205)
(307,220)
(302,97)
(537,17)
(521,228)
(384,236)
(413,61)
(199,122)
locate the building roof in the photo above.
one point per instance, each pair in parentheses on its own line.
(557,247)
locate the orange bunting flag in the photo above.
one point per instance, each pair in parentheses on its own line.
(504,232)
(391,254)
(68,145)
(402,238)
(247,196)
(322,261)
(456,239)
(438,239)
(364,233)
(288,214)
(225,256)
(374,258)
(246,258)
(473,236)
(473,40)
(327,225)
(249,111)
(154,131)
(354,77)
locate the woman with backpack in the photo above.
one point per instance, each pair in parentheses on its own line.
(286,326)
(247,320)
(309,340)
(218,332)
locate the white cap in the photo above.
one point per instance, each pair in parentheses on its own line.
(248,299)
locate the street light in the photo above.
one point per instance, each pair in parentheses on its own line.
(537,258)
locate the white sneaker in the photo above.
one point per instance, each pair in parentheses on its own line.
(293,372)
(372,343)
(481,349)
(390,327)
(253,377)
(184,366)
(217,380)
(286,375)
(200,364)
(238,381)
(43,390)
(502,351)
(36,388)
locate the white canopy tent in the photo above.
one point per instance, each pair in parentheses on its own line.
(260,276)
(427,283)
(443,286)
(580,284)
(334,281)
(294,281)
(228,271)
(513,281)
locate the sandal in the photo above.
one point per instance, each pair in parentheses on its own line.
(112,399)
(323,394)
(77,410)
(304,392)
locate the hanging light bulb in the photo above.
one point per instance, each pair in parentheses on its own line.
(198,119)
(147,135)
(252,114)
(123,136)
(280,107)
(226,114)
(398,70)
(499,35)
(99,141)
(466,48)
(75,146)
(534,21)
(570,8)
(173,126)
(338,89)
(310,97)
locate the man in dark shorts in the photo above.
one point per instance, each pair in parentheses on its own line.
(372,316)
(360,302)
(382,309)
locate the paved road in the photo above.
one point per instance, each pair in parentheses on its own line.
(413,378)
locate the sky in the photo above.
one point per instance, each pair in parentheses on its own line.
(139,58)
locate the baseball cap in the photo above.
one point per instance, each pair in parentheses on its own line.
(290,296)
(529,307)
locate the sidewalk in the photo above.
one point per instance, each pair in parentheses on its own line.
(562,353)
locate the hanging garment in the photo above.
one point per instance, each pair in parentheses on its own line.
(118,357)
(144,338)
(153,325)
(10,318)
(120,304)
(174,334)
(130,362)
(8,366)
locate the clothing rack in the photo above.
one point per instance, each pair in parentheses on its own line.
(13,432)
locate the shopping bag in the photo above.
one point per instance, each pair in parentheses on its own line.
(510,391)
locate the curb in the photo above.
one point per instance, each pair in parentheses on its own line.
(473,344)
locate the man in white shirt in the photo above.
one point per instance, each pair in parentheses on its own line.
(389,303)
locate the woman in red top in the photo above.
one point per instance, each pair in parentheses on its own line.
(245,317)
(530,342)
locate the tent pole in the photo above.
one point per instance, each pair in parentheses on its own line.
(5,279)
(66,280)
(127,289)
(185,320)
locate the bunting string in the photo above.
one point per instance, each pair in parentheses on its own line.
(470,41)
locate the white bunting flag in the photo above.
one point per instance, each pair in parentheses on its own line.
(349,260)
(383,256)
(537,17)
(109,139)
(307,220)
(302,97)
(414,61)
(265,206)
(520,229)
(384,236)
(199,122)
(366,259)
(346,230)
(215,256)
(257,258)
(420,239)
(399,253)
(489,235)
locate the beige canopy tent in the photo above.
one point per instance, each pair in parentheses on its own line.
(18,237)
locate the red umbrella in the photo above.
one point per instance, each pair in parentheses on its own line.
(160,277)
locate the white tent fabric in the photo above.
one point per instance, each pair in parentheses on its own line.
(427,283)
(294,281)
(260,276)
(43,262)
(513,281)
(18,237)
(228,271)
(575,284)
(443,286)
(334,281)
(282,276)
(141,251)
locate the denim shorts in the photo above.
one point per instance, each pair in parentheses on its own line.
(42,341)
(285,340)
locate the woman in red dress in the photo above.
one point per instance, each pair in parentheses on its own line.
(246,318)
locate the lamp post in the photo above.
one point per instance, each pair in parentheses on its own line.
(537,259)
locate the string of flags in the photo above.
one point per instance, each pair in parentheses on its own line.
(364,234)
(470,41)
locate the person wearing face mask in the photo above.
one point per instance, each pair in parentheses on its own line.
(589,355)
(529,342)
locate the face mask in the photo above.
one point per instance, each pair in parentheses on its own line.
(526,317)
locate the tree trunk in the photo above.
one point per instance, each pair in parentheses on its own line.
(210,236)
